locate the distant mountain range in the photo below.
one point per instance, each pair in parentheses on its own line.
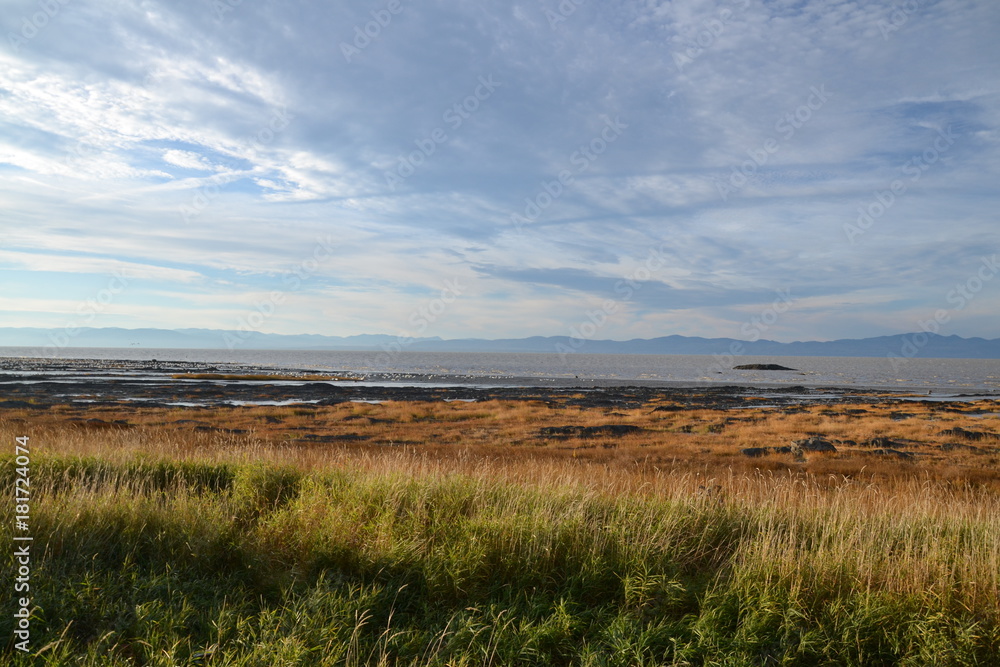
(902,345)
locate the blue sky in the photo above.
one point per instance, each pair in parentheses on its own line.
(816,169)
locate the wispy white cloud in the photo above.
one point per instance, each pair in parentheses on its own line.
(187,159)
(57,263)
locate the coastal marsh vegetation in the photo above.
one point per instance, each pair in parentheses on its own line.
(230,537)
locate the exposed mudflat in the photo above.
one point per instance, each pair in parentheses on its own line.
(40,383)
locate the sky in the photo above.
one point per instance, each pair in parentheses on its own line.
(788,169)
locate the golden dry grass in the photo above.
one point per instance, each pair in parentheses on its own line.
(680,458)
(684,440)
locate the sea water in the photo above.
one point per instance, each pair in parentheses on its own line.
(953,376)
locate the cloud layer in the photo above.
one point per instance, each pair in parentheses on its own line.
(678,164)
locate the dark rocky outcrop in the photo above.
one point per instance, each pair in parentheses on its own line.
(762,367)
(588,431)
(975,436)
(340,437)
(22,405)
(15,405)
(892,452)
(102,424)
(883,443)
(813,444)
(952,446)
(755,452)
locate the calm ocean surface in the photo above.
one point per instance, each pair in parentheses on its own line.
(955,376)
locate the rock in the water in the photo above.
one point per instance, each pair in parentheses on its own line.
(814,444)
(761,367)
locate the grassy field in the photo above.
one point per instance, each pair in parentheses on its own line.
(159,544)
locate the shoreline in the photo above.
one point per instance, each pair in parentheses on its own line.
(950,377)
(154,383)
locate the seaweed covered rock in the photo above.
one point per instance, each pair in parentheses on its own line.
(813,444)
(975,436)
(755,452)
(588,431)
(892,452)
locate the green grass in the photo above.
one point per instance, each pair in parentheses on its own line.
(141,562)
